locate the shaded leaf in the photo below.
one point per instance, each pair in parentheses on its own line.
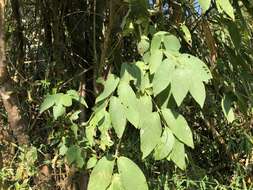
(109,86)
(227,108)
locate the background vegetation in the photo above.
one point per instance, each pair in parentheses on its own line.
(126,94)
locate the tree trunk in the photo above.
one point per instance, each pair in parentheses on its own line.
(17,124)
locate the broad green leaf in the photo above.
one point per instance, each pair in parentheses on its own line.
(150,129)
(58,110)
(204,4)
(118,116)
(116,183)
(165,146)
(145,104)
(143,45)
(163,75)
(101,175)
(155,60)
(131,175)
(178,155)
(109,86)
(156,43)
(48,102)
(189,69)
(171,43)
(74,95)
(227,108)
(130,72)
(129,100)
(127,95)
(64,99)
(197,67)
(198,92)
(132,116)
(74,155)
(91,162)
(226,6)
(178,126)
(181,80)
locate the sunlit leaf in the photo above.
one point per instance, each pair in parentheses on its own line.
(101,175)
(131,175)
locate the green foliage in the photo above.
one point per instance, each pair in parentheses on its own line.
(131,175)
(101,175)
(169,89)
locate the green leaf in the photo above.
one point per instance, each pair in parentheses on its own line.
(116,183)
(156,43)
(188,69)
(227,108)
(226,6)
(155,60)
(74,95)
(186,34)
(130,72)
(198,92)
(132,116)
(179,127)
(104,125)
(150,129)
(129,100)
(58,110)
(204,4)
(74,129)
(109,86)
(143,45)
(101,175)
(64,99)
(91,162)
(118,116)
(181,80)
(178,155)
(145,105)
(162,77)
(165,146)
(131,175)
(171,43)
(74,155)
(196,67)
(48,102)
